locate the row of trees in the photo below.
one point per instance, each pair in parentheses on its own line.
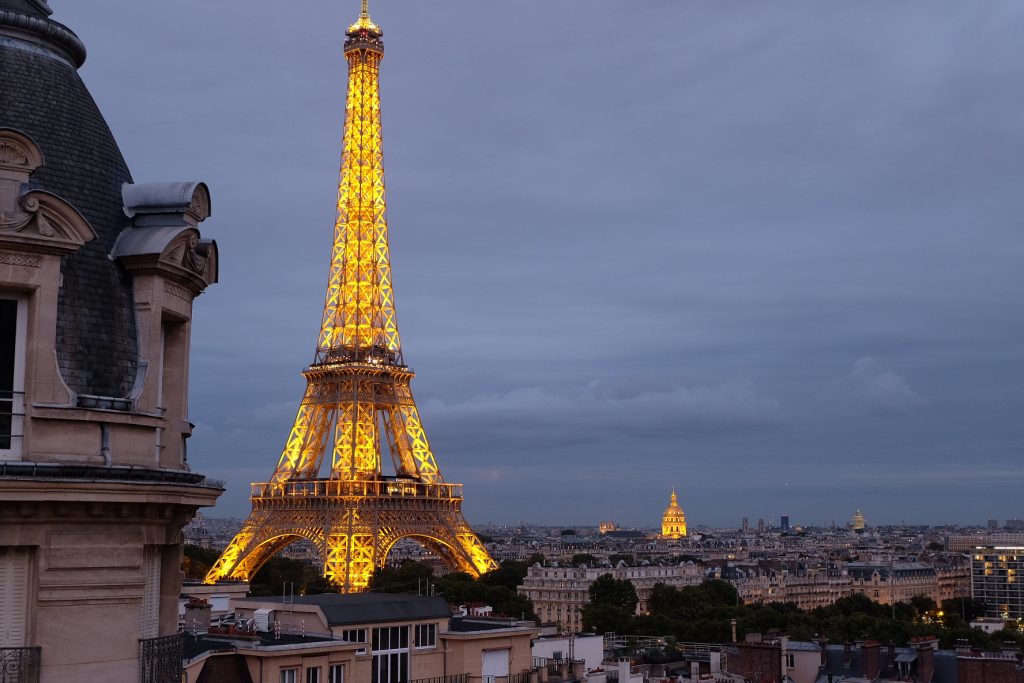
(703,613)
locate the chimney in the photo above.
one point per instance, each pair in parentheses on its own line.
(871,654)
(197,615)
(624,669)
(925,661)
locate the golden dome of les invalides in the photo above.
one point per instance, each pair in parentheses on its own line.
(673,521)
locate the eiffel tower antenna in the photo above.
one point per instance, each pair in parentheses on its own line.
(358,395)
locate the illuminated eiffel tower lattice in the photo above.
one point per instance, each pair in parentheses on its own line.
(357,396)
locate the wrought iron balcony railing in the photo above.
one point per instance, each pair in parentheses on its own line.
(19,664)
(456,678)
(12,413)
(160,659)
(330,488)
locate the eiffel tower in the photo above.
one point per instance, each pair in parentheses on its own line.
(357,395)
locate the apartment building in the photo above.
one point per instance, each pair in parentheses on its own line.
(559,594)
(383,638)
(995,572)
(893,582)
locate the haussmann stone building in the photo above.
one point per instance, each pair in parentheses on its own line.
(97,279)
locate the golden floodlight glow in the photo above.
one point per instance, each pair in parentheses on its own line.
(358,401)
(673,521)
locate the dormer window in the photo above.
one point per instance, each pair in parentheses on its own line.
(12,376)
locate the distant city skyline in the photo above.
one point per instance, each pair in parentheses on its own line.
(771,256)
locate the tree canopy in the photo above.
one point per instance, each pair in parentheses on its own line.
(612,604)
(702,613)
(496,588)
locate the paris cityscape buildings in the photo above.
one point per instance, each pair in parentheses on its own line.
(98,274)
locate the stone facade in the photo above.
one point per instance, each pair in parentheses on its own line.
(559,594)
(97,280)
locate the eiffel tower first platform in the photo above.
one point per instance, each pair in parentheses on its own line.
(357,396)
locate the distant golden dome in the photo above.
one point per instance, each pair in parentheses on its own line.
(858,522)
(673,522)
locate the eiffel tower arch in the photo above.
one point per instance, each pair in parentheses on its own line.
(358,403)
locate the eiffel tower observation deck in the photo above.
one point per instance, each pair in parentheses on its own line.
(358,403)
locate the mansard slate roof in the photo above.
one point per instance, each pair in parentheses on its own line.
(371,608)
(42,95)
(864,570)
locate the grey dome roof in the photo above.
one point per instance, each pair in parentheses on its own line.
(42,95)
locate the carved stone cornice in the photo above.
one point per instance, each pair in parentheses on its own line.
(176,254)
(44,223)
(18,152)
(175,290)
(15,259)
(164,238)
(33,221)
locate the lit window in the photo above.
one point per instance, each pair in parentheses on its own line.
(12,375)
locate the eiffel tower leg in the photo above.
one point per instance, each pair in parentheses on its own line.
(474,550)
(225,564)
(466,551)
(444,533)
(261,537)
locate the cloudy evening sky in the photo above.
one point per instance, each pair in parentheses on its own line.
(769,252)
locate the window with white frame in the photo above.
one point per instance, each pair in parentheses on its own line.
(426,635)
(289,675)
(313,674)
(355,635)
(13,318)
(336,673)
(390,655)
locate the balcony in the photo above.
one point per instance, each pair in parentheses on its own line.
(390,487)
(19,664)
(160,659)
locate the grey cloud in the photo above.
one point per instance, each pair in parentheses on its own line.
(622,257)
(872,388)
